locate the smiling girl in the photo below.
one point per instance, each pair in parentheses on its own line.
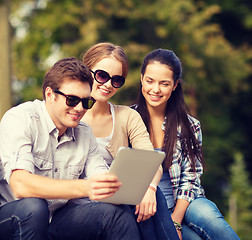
(173,130)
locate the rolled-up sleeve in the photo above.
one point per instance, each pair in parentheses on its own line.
(15,144)
(186,179)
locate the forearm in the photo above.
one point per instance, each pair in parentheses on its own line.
(155,181)
(179,211)
(100,186)
(25,184)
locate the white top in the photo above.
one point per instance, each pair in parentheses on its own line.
(104,141)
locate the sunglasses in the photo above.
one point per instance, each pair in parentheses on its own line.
(102,77)
(72,101)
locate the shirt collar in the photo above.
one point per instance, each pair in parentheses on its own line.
(50,124)
(69,134)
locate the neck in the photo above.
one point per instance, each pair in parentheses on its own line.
(99,108)
(58,125)
(156,112)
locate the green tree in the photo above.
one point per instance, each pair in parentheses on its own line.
(241,194)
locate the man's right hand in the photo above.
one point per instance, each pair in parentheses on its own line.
(102,186)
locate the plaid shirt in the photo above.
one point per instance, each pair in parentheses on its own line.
(186,181)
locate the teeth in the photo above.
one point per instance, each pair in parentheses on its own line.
(156,97)
(105,91)
(73,114)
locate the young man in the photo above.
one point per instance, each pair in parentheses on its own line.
(49,157)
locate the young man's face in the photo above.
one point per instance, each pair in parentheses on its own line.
(62,115)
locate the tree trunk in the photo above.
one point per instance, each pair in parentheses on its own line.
(5,69)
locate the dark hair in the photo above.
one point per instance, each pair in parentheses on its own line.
(102,50)
(66,69)
(176,112)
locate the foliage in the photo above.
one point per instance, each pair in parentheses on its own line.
(241,191)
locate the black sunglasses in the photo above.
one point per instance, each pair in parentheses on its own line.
(72,101)
(102,77)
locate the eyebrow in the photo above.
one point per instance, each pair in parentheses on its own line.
(163,80)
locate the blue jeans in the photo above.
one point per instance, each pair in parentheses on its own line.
(93,221)
(160,226)
(204,218)
(24,219)
(28,219)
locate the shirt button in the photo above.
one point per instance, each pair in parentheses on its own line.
(56,170)
(41,165)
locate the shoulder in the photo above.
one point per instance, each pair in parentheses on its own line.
(122,110)
(195,123)
(83,127)
(24,111)
(83,133)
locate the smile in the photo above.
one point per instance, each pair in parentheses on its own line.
(155,97)
(105,91)
(74,116)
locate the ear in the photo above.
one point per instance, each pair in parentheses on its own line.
(141,79)
(176,84)
(49,95)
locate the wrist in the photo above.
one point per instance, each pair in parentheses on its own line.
(178,226)
(153,187)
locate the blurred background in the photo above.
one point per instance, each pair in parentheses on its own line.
(212,38)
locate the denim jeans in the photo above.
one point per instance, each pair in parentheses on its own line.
(24,219)
(160,226)
(28,219)
(93,221)
(204,218)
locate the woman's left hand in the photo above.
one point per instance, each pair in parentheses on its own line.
(147,207)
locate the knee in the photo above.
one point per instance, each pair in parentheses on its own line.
(202,210)
(118,214)
(34,208)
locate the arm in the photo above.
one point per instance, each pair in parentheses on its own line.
(148,205)
(25,184)
(189,180)
(139,138)
(19,142)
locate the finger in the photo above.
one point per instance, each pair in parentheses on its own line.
(137,209)
(152,209)
(100,185)
(147,212)
(101,196)
(140,214)
(104,190)
(105,178)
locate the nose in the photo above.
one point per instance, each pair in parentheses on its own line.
(79,107)
(156,88)
(108,84)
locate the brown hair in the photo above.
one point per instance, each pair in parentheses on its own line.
(100,51)
(176,112)
(66,68)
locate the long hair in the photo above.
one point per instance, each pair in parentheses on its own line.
(176,112)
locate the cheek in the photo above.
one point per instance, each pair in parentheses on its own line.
(167,93)
(144,89)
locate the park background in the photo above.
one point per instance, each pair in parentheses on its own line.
(212,38)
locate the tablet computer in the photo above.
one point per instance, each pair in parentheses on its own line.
(135,169)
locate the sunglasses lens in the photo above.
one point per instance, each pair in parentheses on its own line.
(72,101)
(118,81)
(88,103)
(101,76)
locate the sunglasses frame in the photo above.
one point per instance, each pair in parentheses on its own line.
(84,101)
(112,78)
